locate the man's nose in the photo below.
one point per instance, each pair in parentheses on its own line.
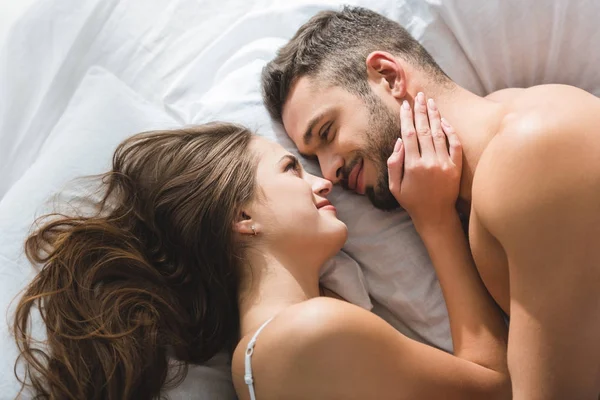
(331,167)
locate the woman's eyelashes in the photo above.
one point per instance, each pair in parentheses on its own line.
(292,165)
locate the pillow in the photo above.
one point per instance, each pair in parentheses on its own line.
(145,43)
(102,112)
(522,43)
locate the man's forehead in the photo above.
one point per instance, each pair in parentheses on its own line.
(298,106)
(307,99)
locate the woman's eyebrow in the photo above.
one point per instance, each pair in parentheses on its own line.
(289,157)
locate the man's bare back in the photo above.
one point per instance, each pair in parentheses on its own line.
(534,233)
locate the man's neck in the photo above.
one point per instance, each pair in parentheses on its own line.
(476,121)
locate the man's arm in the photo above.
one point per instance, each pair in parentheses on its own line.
(538,193)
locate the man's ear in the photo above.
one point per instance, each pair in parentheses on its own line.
(245,225)
(383,68)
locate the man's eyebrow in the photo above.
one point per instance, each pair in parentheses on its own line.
(311,125)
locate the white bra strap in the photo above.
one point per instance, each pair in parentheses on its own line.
(249,351)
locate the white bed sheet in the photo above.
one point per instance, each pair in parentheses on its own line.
(11,11)
(197,59)
(145,43)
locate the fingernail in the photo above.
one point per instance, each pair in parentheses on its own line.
(445,122)
(421,98)
(406,105)
(432,105)
(398,145)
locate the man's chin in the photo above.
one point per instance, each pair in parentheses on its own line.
(382,199)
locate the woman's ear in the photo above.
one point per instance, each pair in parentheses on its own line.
(245,225)
(384,69)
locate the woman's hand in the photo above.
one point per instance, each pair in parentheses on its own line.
(426,182)
(428,191)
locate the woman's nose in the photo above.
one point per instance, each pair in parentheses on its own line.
(320,186)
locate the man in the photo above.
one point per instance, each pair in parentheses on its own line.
(530,181)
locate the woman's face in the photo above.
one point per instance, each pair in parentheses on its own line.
(291,208)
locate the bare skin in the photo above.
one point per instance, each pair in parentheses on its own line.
(323,348)
(531,184)
(549,143)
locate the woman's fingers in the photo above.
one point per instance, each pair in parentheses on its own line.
(422,127)
(409,134)
(439,138)
(453,142)
(395,168)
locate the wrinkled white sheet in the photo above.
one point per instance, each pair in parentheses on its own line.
(197,60)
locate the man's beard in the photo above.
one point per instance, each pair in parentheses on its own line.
(384,131)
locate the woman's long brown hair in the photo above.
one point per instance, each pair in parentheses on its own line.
(151,276)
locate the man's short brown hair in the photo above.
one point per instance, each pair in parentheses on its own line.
(333,46)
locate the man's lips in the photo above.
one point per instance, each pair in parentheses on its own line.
(356,178)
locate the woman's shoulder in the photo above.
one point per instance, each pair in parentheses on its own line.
(301,343)
(312,320)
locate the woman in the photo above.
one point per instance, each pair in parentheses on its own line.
(211,238)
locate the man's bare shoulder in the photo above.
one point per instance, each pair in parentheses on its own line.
(548,99)
(504,95)
(542,119)
(541,97)
(547,142)
(544,113)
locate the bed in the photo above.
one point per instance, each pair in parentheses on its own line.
(78,76)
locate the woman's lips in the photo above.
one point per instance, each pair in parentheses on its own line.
(356,178)
(329,208)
